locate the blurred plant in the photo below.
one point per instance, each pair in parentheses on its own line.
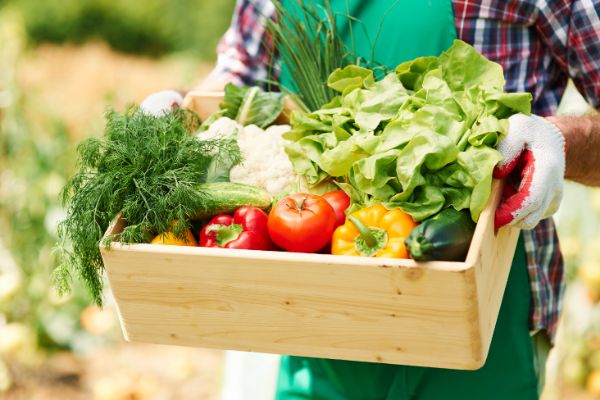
(579,347)
(36,157)
(152,27)
(576,372)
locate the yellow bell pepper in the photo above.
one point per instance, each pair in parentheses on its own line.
(373,232)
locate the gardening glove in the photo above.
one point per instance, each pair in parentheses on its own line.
(534,150)
(160,103)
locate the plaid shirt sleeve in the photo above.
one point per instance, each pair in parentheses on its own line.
(244,54)
(571,30)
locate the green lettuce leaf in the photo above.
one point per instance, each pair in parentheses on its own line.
(338,160)
(345,80)
(479,162)
(378,102)
(421,139)
(427,149)
(462,67)
(426,201)
(376,174)
(302,164)
(411,72)
(503,105)
(487,131)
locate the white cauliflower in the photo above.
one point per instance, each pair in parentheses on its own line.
(264,161)
(223,127)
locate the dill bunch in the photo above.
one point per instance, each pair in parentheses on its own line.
(148,168)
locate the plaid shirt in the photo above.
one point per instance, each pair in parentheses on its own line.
(540,45)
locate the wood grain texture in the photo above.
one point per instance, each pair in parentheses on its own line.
(203,103)
(491,254)
(438,314)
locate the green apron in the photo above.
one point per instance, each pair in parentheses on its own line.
(415,28)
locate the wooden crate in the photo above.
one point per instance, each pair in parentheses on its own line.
(437,314)
(203,103)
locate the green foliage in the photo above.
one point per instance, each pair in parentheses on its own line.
(306,39)
(420,139)
(34,164)
(152,27)
(251,105)
(148,168)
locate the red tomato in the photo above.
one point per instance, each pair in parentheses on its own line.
(339,201)
(301,222)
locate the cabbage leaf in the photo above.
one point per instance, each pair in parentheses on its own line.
(249,105)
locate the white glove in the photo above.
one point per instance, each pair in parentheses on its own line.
(534,148)
(162,102)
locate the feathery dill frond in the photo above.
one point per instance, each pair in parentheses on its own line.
(148,168)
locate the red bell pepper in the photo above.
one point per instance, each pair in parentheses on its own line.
(246,229)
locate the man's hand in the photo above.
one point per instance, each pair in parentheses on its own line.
(534,149)
(159,103)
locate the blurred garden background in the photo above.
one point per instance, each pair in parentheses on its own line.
(61,65)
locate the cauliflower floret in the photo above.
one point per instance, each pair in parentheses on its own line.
(223,127)
(264,161)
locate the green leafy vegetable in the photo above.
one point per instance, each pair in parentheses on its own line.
(250,105)
(422,138)
(146,167)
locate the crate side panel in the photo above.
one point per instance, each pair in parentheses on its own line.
(491,255)
(491,276)
(386,314)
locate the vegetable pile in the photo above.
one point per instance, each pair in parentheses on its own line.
(420,139)
(415,146)
(147,168)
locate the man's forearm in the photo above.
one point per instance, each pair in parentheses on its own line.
(582,139)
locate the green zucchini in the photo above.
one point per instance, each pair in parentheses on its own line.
(445,236)
(226,197)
